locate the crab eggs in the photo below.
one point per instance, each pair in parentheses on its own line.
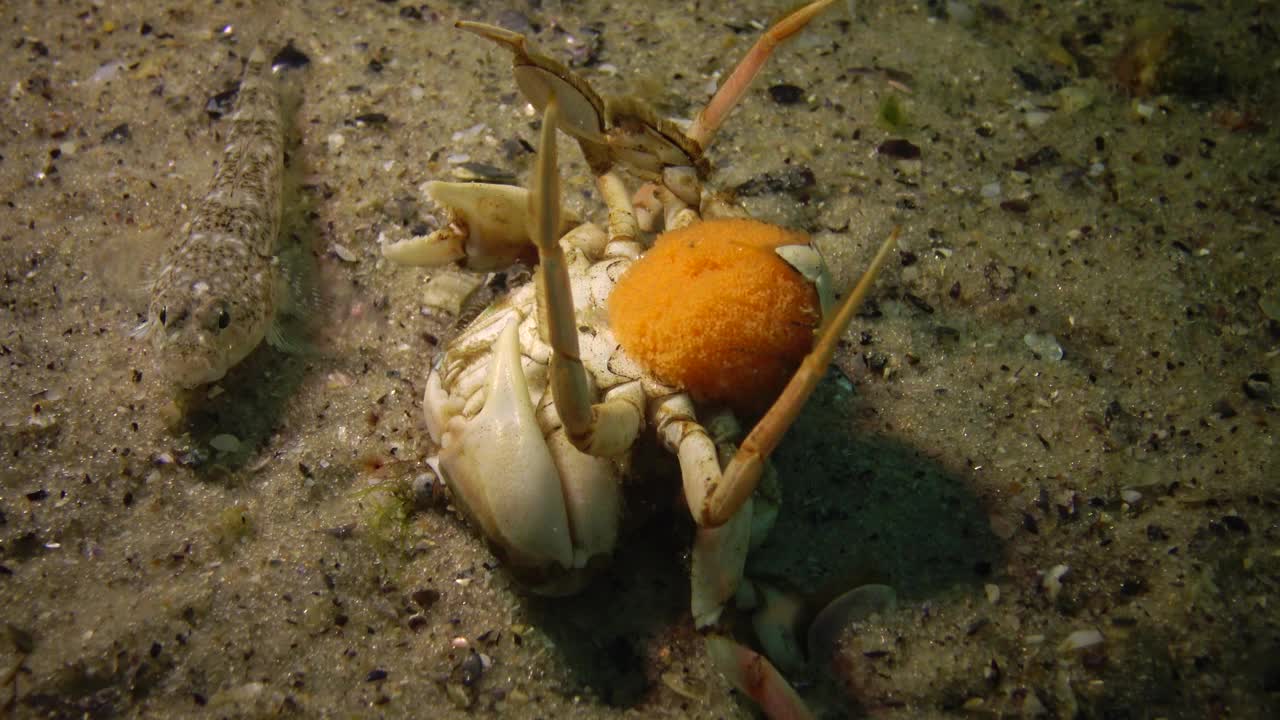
(715,309)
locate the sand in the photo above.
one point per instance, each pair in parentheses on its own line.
(1050,434)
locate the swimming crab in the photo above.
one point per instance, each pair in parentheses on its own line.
(536,405)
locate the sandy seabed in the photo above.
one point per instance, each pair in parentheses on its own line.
(1050,433)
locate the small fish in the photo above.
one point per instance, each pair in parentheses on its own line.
(215,296)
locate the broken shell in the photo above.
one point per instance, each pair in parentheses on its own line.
(857,604)
(1052,581)
(1081,640)
(1044,346)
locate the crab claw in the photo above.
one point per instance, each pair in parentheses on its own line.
(549,512)
(501,471)
(486,228)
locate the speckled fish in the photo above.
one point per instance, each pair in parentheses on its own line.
(215,297)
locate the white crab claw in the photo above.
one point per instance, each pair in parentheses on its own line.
(500,469)
(487,227)
(438,248)
(591,499)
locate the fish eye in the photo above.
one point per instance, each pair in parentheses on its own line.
(224,319)
(164,315)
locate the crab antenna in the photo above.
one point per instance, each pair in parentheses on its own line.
(714,114)
(743,472)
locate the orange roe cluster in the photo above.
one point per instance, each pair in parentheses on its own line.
(711,308)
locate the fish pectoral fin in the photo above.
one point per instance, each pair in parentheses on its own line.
(288,337)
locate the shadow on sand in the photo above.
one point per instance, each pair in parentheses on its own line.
(856,510)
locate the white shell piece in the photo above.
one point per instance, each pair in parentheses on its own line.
(1081,640)
(448,290)
(859,603)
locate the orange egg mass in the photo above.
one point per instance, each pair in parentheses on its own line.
(711,308)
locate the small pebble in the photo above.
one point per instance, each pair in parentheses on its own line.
(1081,640)
(1044,346)
(118,134)
(1258,386)
(481,172)
(793,180)
(343,252)
(899,148)
(469,133)
(107,72)
(370,118)
(1074,98)
(225,443)
(425,597)
(290,57)
(1053,580)
(1036,118)
(471,668)
(786,94)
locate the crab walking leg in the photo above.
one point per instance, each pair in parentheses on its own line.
(714,114)
(719,556)
(717,564)
(742,474)
(757,678)
(714,495)
(622,215)
(604,429)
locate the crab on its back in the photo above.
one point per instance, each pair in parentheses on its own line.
(215,296)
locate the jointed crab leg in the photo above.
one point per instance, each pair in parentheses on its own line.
(753,675)
(711,117)
(604,429)
(723,493)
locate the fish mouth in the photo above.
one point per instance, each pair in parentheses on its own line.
(188,364)
(192,372)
